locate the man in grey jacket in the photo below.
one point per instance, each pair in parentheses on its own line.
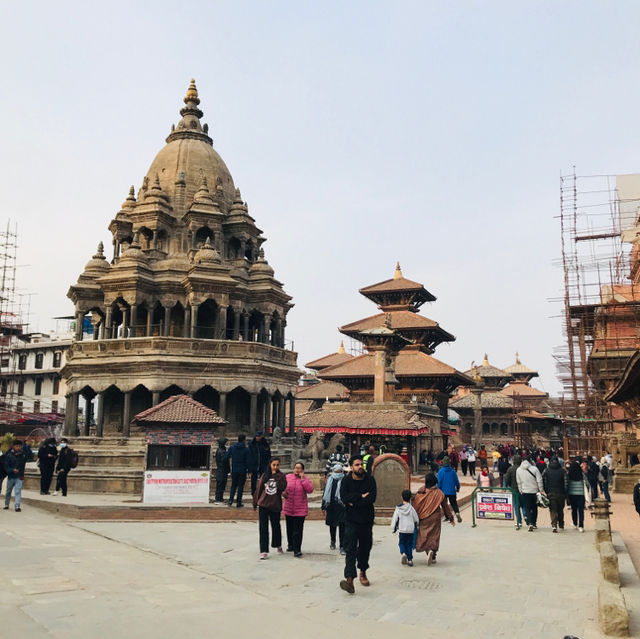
(529,484)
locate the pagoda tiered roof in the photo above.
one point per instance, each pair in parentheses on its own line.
(398,293)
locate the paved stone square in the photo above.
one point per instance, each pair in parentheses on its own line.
(93,579)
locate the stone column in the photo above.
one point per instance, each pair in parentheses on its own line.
(245,326)
(87,417)
(266,325)
(236,324)
(107,323)
(155,398)
(149,320)
(71,414)
(292,415)
(222,407)
(126,414)
(167,320)
(281,412)
(267,413)
(194,317)
(154,241)
(79,325)
(186,322)
(253,411)
(221,333)
(123,310)
(133,311)
(100,415)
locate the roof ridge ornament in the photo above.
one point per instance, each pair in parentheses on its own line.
(518,358)
(99,255)
(398,273)
(341,350)
(130,202)
(485,362)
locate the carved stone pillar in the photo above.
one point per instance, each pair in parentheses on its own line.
(155,398)
(292,415)
(167,321)
(71,414)
(107,323)
(185,332)
(87,417)
(221,333)
(194,317)
(126,414)
(100,415)
(236,324)
(253,411)
(149,321)
(133,311)
(222,407)
(79,325)
(245,326)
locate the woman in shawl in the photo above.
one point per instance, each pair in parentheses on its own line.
(430,503)
(333,508)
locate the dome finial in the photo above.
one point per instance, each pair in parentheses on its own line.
(486,360)
(132,194)
(341,349)
(518,358)
(100,252)
(192,93)
(398,274)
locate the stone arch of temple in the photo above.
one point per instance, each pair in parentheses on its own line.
(187,297)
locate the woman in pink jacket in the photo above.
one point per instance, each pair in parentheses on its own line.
(296,507)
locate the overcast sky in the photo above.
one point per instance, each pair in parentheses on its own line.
(360,133)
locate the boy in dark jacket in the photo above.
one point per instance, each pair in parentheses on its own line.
(358,493)
(555,484)
(14,463)
(238,453)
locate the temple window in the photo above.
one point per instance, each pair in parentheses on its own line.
(22,362)
(234,248)
(201,236)
(21,387)
(57,359)
(146,238)
(38,387)
(39,360)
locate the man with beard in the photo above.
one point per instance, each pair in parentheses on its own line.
(358,494)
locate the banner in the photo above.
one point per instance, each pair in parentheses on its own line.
(495,505)
(176,487)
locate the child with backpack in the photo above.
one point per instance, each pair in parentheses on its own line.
(404,521)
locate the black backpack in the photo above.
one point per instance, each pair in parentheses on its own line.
(74,458)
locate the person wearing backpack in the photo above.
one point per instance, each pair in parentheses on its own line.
(66,459)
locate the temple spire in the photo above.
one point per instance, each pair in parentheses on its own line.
(518,358)
(398,274)
(341,349)
(191,101)
(486,360)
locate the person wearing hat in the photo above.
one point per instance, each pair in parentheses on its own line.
(259,456)
(223,468)
(449,484)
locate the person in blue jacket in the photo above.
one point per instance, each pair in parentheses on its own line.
(238,453)
(449,484)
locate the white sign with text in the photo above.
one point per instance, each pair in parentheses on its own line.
(176,487)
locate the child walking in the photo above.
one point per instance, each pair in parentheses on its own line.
(405,520)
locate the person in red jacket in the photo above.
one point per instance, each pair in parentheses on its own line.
(296,507)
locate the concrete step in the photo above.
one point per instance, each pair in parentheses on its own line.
(114,480)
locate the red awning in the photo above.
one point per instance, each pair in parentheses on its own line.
(401,432)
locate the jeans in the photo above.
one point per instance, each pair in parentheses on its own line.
(357,544)
(295,529)
(237,483)
(265,517)
(221,484)
(61,482)
(530,506)
(577,510)
(332,534)
(13,483)
(556,509)
(453,500)
(405,543)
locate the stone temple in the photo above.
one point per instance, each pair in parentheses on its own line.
(187,303)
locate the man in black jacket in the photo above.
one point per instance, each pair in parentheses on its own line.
(358,494)
(260,454)
(47,454)
(14,463)
(223,468)
(64,467)
(555,484)
(238,454)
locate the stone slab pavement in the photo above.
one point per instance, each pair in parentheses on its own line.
(64,578)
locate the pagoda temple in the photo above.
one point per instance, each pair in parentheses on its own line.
(398,392)
(187,304)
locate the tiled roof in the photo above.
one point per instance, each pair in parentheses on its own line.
(362,420)
(522,390)
(397,284)
(399,320)
(487,400)
(487,370)
(410,362)
(324,389)
(329,360)
(179,409)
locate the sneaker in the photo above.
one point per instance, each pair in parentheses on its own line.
(575,527)
(18,509)
(264,555)
(403,559)
(297,554)
(54,493)
(410,563)
(347,585)
(332,546)
(531,529)
(430,557)
(554,529)
(581,529)
(240,506)
(518,526)
(280,551)
(433,559)
(363,578)
(289,549)
(459,518)
(6,508)
(343,551)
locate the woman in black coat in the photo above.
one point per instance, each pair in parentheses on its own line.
(47,455)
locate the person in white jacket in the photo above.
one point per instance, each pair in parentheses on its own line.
(404,520)
(529,484)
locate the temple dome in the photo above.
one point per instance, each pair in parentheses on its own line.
(188,157)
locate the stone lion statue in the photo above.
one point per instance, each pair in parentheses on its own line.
(336,440)
(315,447)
